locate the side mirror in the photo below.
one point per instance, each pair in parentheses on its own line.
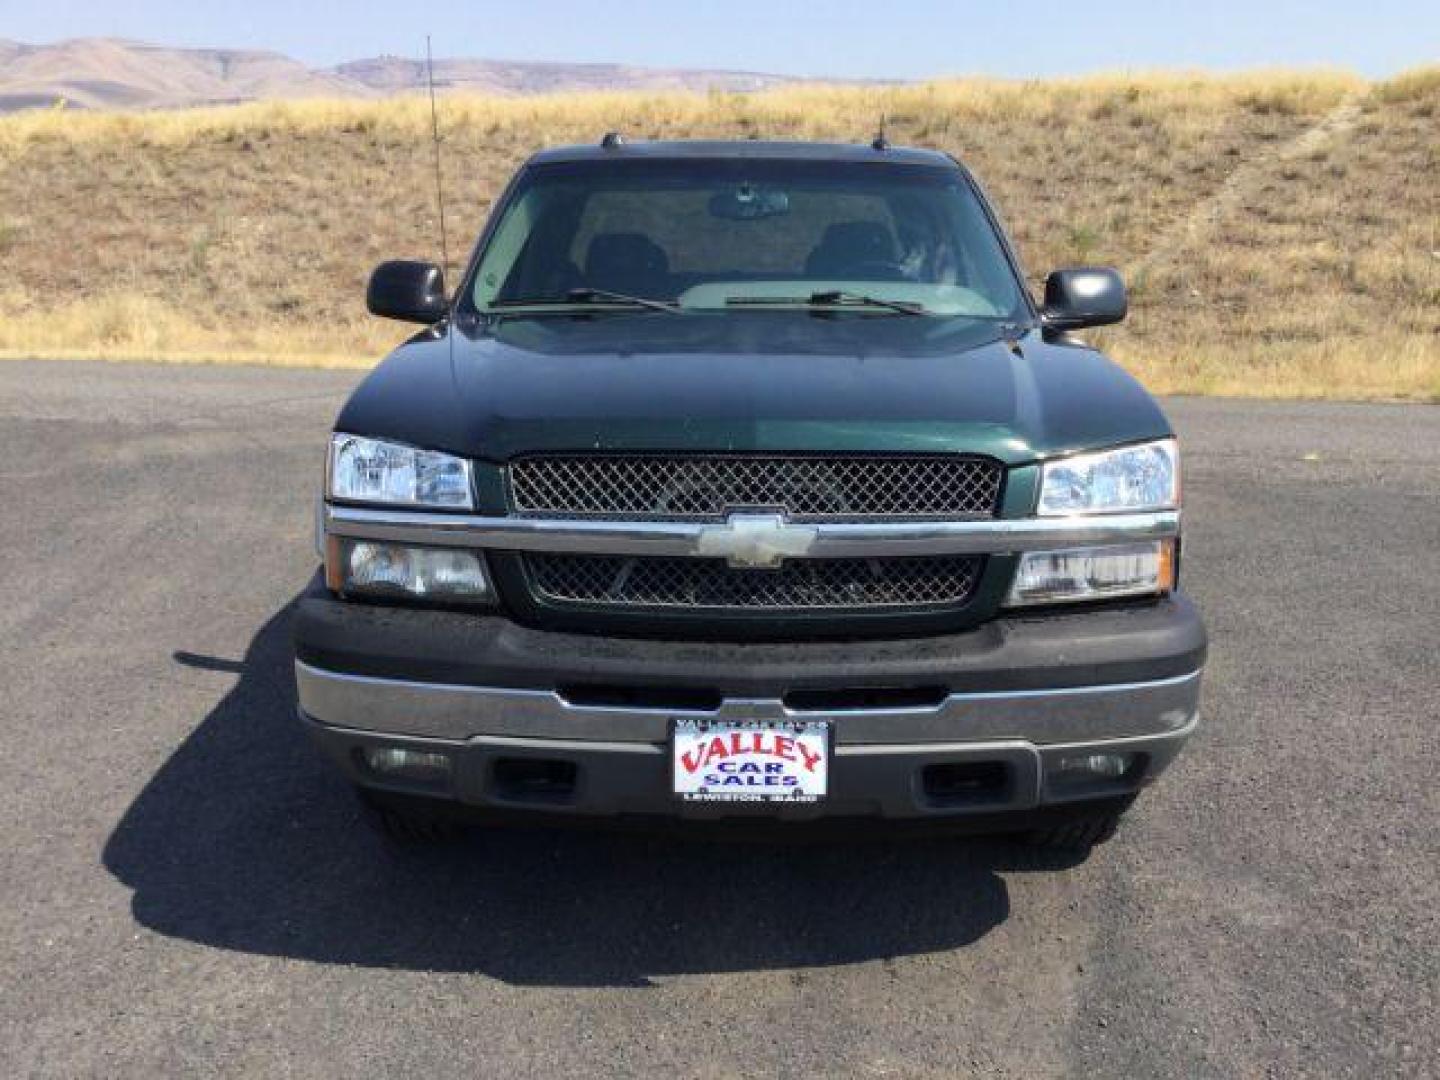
(412,291)
(1084,296)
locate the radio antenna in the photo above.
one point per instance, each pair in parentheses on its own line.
(881,142)
(435,138)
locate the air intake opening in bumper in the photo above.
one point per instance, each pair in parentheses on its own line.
(545,781)
(966,783)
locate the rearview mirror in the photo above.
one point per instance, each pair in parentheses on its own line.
(1084,296)
(747,202)
(408,290)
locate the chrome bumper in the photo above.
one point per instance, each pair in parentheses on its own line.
(442,711)
(621,754)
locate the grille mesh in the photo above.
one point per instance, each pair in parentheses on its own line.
(678,488)
(649,582)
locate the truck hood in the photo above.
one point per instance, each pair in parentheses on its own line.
(748,381)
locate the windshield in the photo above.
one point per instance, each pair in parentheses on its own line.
(726,233)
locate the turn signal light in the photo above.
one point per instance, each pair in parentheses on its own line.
(401,571)
(1097,573)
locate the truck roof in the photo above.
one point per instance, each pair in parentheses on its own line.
(743,149)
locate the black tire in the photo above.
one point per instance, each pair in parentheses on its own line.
(1077,834)
(407,822)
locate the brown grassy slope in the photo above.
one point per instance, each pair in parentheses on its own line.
(248,232)
(1317,267)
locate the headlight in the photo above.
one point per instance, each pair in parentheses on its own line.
(403,572)
(373,471)
(1132,478)
(1098,573)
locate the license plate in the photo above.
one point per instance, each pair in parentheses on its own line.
(761,761)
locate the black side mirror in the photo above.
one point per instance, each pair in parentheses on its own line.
(412,291)
(1084,296)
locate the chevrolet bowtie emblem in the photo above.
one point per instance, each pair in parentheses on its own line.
(756,541)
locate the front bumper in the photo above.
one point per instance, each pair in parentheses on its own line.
(1015,695)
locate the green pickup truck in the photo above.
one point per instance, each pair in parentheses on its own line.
(746,483)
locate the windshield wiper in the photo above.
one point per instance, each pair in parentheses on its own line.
(841,298)
(830,298)
(589,296)
(585,295)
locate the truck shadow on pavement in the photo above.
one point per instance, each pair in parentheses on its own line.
(247,840)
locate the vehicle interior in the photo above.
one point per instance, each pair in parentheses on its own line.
(661,237)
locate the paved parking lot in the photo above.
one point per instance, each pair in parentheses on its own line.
(187,887)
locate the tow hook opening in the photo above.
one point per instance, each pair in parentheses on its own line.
(966,783)
(535,780)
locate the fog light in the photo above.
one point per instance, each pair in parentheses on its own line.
(417,765)
(1093,767)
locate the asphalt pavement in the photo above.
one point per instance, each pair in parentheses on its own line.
(187,888)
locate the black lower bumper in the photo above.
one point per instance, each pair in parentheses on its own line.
(1120,644)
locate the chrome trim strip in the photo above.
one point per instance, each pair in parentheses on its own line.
(444,710)
(1122,742)
(993,747)
(824,540)
(518,742)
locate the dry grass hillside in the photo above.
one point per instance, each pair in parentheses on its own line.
(1281,231)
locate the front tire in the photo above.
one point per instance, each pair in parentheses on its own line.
(1077,834)
(406,822)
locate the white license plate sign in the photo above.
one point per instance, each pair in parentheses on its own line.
(778,761)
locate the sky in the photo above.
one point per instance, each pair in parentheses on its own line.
(895,39)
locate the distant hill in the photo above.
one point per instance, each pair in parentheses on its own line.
(111,73)
(393,74)
(104,73)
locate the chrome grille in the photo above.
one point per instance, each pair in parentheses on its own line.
(691,488)
(650,582)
